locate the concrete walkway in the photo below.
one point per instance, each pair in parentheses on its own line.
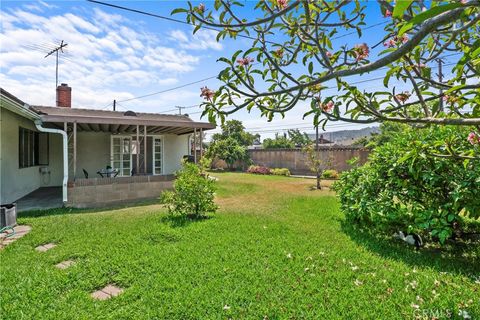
(42,198)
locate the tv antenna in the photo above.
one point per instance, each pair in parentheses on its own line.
(56,50)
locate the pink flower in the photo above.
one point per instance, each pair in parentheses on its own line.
(361,51)
(282,4)
(396,41)
(207,94)
(201,8)
(388,13)
(329,54)
(473,138)
(402,97)
(244,61)
(278,53)
(327,107)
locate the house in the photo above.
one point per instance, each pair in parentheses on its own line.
(89,157)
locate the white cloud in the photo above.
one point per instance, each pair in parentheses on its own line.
(107,56)
(203,39)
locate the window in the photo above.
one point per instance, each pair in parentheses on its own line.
(32,148)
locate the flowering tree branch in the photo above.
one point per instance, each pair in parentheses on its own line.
(293,57)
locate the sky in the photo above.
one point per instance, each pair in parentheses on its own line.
(115,54)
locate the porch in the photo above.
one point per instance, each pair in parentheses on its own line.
(41,199)
(114,157)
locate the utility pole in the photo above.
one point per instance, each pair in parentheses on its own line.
(180,109)
(56,50)
(114,105)
(440,79)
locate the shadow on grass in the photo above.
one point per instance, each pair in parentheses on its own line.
(176,221)
(64,210)
(455,258)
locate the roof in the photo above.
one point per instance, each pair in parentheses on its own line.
(15,105)
(118,121)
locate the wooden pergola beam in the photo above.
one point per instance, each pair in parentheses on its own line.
(105,127)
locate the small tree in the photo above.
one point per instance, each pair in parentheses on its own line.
(316,164)
(228,150)
(193,193)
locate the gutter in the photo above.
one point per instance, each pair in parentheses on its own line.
(38,124)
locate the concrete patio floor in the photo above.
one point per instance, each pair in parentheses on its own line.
(42,198)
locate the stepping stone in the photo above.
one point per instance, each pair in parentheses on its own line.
(106,293)
(45,247)
(65,264)
(20,231)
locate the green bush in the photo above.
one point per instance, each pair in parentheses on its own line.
(193,194)
(280,172)
(330,174)
(405,187)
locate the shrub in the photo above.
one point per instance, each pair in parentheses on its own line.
(404,187)
(193,193)
(330,174)
(281,172)
(259,170)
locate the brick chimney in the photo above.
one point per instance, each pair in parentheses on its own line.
(64,96)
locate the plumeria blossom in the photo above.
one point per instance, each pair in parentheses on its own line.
(361,51)
(464,314)
(473,138)
(282,4)
(329,54)
(388,13)
(327,107)
(402,97)
(450,99)
(207,94)
(244,61)
(358,282)
(396,41)
(278,53)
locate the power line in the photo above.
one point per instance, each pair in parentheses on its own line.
(167,90)
(204,27)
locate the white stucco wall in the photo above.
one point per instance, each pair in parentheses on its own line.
(175,147)
(17,182)
(93,153)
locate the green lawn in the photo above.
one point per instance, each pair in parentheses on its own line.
(275,250)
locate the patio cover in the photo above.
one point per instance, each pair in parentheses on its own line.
(118,121)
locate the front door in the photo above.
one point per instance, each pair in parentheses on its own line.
(122,154)
(157,155)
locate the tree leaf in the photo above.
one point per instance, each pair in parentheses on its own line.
(400,8)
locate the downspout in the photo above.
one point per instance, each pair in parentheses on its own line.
(38,124)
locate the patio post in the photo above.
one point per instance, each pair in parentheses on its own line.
(137,147)
(74,150)
(195,145)
(145,149)
(201,144)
